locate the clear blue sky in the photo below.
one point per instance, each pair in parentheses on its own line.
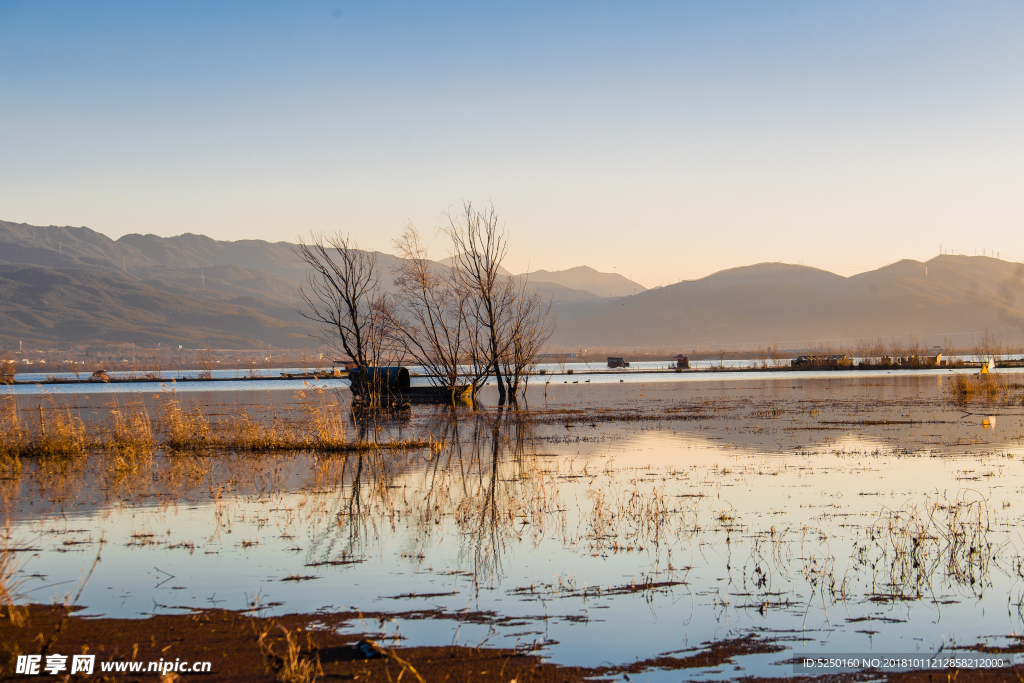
(658,140)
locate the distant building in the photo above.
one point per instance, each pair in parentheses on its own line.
(682,361)
(916,361)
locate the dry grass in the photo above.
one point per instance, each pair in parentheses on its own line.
(184,428)
(290,666)
(131,431)
(57,433)
(7,368)
(53,431)
(10,582)
(990,387)
(322,429)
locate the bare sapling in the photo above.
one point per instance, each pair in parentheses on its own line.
(432,313)
(530,327)
(343,294)
(479,246)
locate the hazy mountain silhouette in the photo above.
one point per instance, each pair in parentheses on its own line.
(91,305)
(62,284)
(65,284)
(775,302)
(587,279)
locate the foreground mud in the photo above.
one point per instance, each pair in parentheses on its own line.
(301,648)
(243,647)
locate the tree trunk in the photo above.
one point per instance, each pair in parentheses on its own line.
(501,384)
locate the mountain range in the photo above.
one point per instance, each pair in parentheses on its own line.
(949,297)
(77,286)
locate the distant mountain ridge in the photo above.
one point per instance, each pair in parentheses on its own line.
(775,302)
(68,284)
(74,285)
(589,280)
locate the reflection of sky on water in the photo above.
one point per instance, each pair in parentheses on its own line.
(791,518)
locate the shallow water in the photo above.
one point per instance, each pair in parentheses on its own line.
(613,523)
(226,384)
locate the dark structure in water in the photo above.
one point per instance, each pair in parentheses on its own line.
(392,385)
(370,385)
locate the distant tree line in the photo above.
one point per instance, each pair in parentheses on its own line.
(463,324)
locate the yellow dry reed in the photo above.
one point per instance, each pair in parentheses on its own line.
(56,432)
(966,388)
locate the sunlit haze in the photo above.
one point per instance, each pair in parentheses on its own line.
(662,141)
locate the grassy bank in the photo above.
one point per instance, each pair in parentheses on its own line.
(54,431)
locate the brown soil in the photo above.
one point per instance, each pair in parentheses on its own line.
(229,640)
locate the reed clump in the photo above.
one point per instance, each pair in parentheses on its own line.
(326,422)
(322,428)
(987,386)
(947,537)
(11,435)
(130,433)
(249,435)
(184,428)
(58,433)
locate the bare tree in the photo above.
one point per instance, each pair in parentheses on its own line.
(479,245)
(530,327)
(432,313)
(343,294)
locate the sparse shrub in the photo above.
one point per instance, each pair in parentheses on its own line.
(206,364)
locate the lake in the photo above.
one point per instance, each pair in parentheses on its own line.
(603,522)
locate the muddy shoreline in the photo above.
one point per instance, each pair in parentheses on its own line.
(342,646)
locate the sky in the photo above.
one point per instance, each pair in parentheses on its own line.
(662,141)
